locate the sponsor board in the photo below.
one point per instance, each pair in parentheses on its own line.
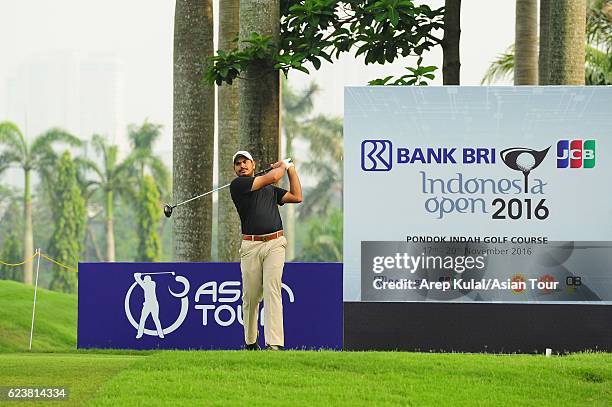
(199,306)
(475,163)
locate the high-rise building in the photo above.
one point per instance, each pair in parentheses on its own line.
(83,94)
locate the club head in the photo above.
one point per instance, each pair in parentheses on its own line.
(167,210)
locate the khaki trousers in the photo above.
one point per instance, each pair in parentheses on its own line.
(262,265)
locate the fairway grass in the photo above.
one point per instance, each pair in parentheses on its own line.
(82,374)
(295,378)
(315,378)
(55,325)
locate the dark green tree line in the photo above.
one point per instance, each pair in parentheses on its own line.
(69,219)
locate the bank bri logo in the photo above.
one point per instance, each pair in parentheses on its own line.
(376,155)
(576,154)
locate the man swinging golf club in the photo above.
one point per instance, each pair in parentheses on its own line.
(262,252)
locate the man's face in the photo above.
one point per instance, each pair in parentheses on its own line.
(243,167)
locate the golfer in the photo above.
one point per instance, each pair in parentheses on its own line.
(262,252)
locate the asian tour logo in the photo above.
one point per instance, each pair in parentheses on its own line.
(150,306)
(576,154)
(218,302)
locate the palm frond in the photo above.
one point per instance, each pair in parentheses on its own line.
(7,158)
(160,173)
(599,24)
(110,161)
(598,68)
(11,136)
(144,136)
(299,104)
(99,144)
(84,164)
(43,144)
(501,68)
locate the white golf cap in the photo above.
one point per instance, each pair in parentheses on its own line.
(244,154)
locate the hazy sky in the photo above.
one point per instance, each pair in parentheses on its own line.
(139,32)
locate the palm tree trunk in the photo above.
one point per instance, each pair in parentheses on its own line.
(451,64)
(94,243)
(193,135)
(259,89)
(28,239)
(567,31)
(110,229)
(227,217)
(544,44)
(526,43)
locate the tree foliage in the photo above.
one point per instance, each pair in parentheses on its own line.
(316,30)
(324,137)
(112,179)
(12,252)
(142,138)
(69,219)
(11,239)
(599,24)
(38,155)
(323,240)
(149,214)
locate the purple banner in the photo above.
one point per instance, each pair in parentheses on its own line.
(199,306)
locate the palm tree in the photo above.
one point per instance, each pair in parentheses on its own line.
(227,218)
(526,43)
(35,156)
(88,189)
(323,240)
(567,29)
(112,180)
(142,138)
(544,43)
(296,109)
(597,69)
(193,142)
(598,48)
(259,88)
(325,139)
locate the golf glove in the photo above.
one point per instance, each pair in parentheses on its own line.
(288,163)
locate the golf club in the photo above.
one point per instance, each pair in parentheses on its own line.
(169,208)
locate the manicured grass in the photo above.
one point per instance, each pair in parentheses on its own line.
(82,374)
(133,378)
(360,378)
(55,323)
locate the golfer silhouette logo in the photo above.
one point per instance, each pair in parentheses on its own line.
(150,306)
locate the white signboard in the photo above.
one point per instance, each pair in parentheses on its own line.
(522,167)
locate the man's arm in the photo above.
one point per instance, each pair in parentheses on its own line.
(138,279)
(278,170)
(272,177)
(295,188)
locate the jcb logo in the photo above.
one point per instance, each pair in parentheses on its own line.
(576,154)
